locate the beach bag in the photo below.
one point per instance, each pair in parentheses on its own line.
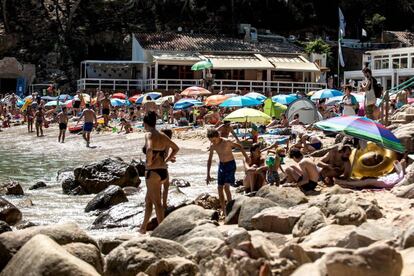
(377,88)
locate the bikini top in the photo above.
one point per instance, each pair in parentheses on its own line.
(161,153)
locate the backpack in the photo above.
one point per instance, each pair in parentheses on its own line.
(377,88)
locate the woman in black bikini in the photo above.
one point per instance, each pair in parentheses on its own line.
(157,153)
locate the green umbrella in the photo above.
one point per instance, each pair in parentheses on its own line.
(201,65)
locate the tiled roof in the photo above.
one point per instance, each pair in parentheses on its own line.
(406,38)
(209,43)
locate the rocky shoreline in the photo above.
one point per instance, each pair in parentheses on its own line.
(278,231)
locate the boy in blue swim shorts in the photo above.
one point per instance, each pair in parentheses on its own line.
(90,122)
(227,165)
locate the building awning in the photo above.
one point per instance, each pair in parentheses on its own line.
(176,59)
(252,61)
(297,64)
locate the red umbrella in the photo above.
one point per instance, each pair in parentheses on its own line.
(195,91)
(69,104)
(121,96)
(134,98)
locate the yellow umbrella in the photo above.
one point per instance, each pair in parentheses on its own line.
(249,115)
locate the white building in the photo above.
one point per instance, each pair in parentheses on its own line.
(390,67)
(162,61)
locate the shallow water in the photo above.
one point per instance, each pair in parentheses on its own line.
(28,159)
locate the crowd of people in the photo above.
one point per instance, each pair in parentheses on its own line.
(262,164)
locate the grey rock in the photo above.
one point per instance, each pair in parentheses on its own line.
(312,220)
(88,253)
(38,185)
(109,197)
(126,214)
(4,227)
(201,243)
(233,210)
(408,237)
(283,196)
(406,191)
(329,236)
(8,212)
(276,219)
(251,207)
(371,208)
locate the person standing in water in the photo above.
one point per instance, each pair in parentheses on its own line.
(157,150)
(40,118)
(227,166)
(63,124)
(90,121)
(30,118)
(106,108)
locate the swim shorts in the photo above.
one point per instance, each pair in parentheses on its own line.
(62,126)
(272,177)
(87,127)
(316,146)
(105,111)
(226,173)
(76,104)
(310,186)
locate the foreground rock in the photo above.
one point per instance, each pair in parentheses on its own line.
(60,233)
(9,213)
(173,266)
(341,209)
(4,227)
(126,214)
(376,260)
(109,197)
(208,201)
(370,232)
(88,253)
(329,236)
(136,255)
(283,197)
(42,256)
(96,177)
(408,237)
(182,221)
(12,188)
(38,185)
(312,220)
(251,207)
(408,262)
(276,219)
(406,191)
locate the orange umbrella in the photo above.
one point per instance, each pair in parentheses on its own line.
(216,99)
(121,96)
(195,91)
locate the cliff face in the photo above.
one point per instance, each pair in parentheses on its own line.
(57,34)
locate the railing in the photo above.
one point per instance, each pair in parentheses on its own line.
(218,85)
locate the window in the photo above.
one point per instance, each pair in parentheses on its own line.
(399,61)
(381,62)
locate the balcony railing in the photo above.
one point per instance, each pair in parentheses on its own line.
(218,85)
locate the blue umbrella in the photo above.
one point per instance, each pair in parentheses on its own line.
(325,94)
(285,99)
(119,102)
(256,96)
(49,98)
(152,95)
(240,101)
(54,103)
(186,103)
(20,103)
(65,97)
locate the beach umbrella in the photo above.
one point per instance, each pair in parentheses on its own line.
(325,94)
(64,97)
(20,103)
(336,100)
(121,96)
(186,103)
(256,96)
(119,102)
(134,98)
(85,97)
(195,91)
(53,103)
(201,65)
(285,99)
(364,129)
(249,115)
(68,103)
(152,95)
(240,101)
(215,99)
(49,98)
(161,100)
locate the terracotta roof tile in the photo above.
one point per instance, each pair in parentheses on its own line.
(406,38)
(209,43)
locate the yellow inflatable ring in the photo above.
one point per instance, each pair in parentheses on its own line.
(372,161)
(101,121)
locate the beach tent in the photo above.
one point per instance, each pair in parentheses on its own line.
(273,109)
(308,114)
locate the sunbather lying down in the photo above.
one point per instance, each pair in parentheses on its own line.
(387,181)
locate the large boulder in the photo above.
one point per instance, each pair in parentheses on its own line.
(182,221)
(370,232)
(9,213)
(408,261)
(312,220)
(60,233)
(341,209)
(404,191)
(283,196)
(295,253)
(208,201)
(405,133)
(233,210)
(38,185)
(371,208)
(43,256)
(375,260)
(267,244)
(329,236)
(109,243)
(174,266)
(195,244)
(96,177)
(276,219)
(251,207)
(4,227)
(220,265)
(137,254)
(126,214)
(205,229)
(109,197)
(408,237)
(89,253)
(12,188)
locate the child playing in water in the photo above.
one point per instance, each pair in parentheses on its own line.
(30,119)
(125,125)
(227,165)
(63,124)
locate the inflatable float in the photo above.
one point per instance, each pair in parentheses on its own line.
(75,129)
(27,102)
(372,161)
